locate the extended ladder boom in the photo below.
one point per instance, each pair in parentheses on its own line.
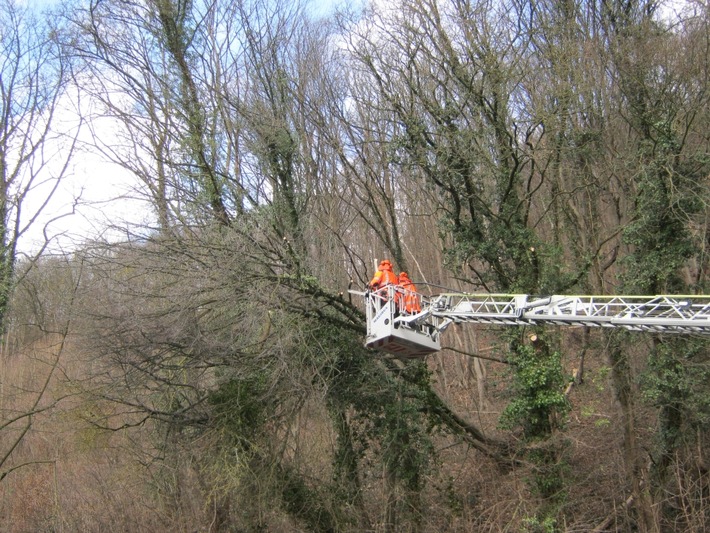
(662,314)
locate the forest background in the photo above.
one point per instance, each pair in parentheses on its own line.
(207,371)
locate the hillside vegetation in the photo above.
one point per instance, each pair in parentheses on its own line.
(208,372)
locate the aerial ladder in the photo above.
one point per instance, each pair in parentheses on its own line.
(416,335)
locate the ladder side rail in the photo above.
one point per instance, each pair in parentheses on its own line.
(655,307)
(693,307)
(659,325)
(484,304)
(615,306)
(663,313)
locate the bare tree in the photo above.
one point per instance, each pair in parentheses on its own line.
(35,149)
(37,143)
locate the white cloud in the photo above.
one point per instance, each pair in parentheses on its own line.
(94,196)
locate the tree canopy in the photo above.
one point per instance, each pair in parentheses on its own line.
(510,146)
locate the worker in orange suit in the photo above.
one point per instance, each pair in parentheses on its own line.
(383,277)
(411,302)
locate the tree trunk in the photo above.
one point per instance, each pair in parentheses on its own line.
(622,381)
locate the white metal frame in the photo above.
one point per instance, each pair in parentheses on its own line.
(661,314)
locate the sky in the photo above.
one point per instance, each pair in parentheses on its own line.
(104,199)
(101,194)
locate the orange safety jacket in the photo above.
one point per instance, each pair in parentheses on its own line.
(383,277)
(411,300)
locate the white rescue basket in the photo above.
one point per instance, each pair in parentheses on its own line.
(391,329)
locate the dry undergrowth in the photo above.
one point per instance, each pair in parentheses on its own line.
(79,478)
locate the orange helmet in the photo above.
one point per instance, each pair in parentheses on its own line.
(403,275)
(385,264)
